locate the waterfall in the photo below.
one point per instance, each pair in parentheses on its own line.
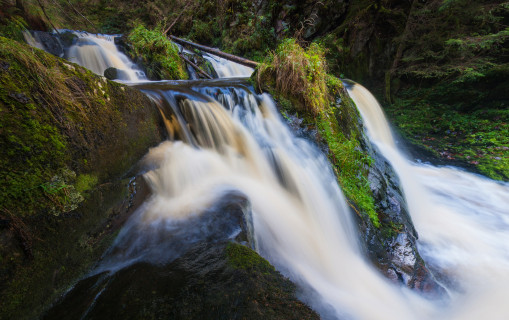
(226,141)
(232,140)
(228,69)
(462,220)
(98,52)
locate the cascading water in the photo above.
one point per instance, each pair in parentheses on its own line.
(232,139)
(98,53)
(462,220)
(228,69)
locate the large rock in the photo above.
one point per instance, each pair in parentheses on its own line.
(50,42)
(113,74)
(200,274)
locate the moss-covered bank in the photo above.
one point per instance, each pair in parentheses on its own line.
(67,136)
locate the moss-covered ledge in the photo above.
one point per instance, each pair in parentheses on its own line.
(298,80)
(67,137)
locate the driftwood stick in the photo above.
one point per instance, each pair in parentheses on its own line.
(197,68)
(217,52)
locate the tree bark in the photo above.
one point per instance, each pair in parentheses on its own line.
(217,52)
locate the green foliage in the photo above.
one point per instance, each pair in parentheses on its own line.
(241,257)
(13,28)
(478,139)
(62,193)
(160,54)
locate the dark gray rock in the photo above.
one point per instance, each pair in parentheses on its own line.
(50,42)
(393,246)
(210,278)
(113,74)
(68,38)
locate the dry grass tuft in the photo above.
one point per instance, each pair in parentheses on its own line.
(299,73)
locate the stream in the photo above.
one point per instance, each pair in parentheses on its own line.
(226,140)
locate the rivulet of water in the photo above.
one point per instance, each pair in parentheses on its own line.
(228,69)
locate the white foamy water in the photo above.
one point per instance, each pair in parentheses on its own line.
(98,52)
(238,141)
(228,69)
(232,141)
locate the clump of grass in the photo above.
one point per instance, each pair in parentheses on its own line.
(297,72)
(160,55)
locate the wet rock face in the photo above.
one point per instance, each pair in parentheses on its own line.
(51,42)
(392,247)
(213,279)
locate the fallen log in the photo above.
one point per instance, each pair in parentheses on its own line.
(217,52)
(197,68)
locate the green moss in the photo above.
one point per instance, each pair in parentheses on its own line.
(64,132)
(161,56)
(350,163)
(241,257)
(479,139)
(85,182)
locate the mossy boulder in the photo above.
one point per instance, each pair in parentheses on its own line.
(67,138)
(56,118)
(156,53)
(200,274)
(212,281)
